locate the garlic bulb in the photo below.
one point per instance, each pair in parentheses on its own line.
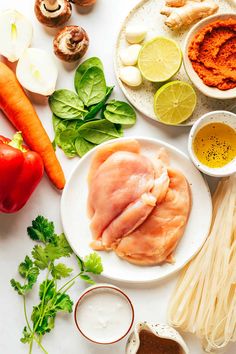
(131,76)
(129,56)
(135,33)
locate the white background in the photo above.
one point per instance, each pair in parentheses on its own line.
(150,301)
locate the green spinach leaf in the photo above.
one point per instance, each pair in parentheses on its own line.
(82,146)
(93,110)
(67,141)
(67,105)
(120,112)
(82,68)
(92,86)
(99,131)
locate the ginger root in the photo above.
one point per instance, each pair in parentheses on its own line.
(184,12)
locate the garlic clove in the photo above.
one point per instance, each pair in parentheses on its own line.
(37,71)
(131,76)
(129,56)
(135,33)
(16,34)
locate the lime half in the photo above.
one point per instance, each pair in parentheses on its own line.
(174,102)
(160,59)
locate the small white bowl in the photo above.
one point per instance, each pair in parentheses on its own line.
(160,330)
(225,117)
(193,76)
(96,308)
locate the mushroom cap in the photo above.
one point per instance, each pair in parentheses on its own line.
(85,3)
(71,43)
(51,18)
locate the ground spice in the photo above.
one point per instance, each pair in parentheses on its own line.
(151,344)
(213,54)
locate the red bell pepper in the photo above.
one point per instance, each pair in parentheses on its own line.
(20,172)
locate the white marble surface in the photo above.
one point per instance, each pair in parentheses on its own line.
(151,300)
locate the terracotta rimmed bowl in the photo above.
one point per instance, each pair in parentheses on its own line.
(94,290)
(225,117)
(193,76)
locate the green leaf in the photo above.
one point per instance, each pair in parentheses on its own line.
(41,230)
(43,324)
(67,105)
(25,267)
(93,263)
(61,271)
(40,257)
(63,303)
(99,131)
(27,336)
(60,249)
(66,141)
(92,86)
(82,146)
(29,272)
(20,289)
(93,110)
(80,263)
(120,112)
(82,68)
(87,279)
(47,290)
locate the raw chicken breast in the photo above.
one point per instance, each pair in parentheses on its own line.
(154,241)
(124,189)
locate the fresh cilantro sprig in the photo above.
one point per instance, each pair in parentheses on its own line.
(53,299)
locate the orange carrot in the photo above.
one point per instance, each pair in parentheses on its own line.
(18,109)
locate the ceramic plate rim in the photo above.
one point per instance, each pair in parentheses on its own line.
(154,141)
(120,83)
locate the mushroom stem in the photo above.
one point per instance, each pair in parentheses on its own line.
(75,38)
(51,5)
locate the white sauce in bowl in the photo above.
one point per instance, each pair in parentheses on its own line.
(104,314)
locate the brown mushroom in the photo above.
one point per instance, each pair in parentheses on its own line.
(52,13)
(71,43)
(84,3)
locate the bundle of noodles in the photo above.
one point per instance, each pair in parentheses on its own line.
(204,301)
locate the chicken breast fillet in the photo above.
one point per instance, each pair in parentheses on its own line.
(154,241)
(124,188)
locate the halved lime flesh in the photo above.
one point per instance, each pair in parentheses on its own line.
(160,59)
(174,102)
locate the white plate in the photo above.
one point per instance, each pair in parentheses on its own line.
(76,222)
(147,12)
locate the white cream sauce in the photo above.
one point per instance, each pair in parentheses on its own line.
(104,315)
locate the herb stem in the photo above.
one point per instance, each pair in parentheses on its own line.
(40,345)
(31,347)
(70,281)
(25,313)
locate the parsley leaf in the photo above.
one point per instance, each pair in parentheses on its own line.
(87,278)
(41,230)
(27,336)
(61,248)
(29,272)
(93,263)
(41,259)
(47,290)
(61,271)
(80,263)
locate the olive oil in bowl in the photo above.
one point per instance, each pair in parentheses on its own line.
(215,145)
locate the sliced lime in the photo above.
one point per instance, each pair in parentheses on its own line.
(160,59)
(174,102)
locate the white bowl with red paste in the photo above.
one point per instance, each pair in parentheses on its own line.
(208,90)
